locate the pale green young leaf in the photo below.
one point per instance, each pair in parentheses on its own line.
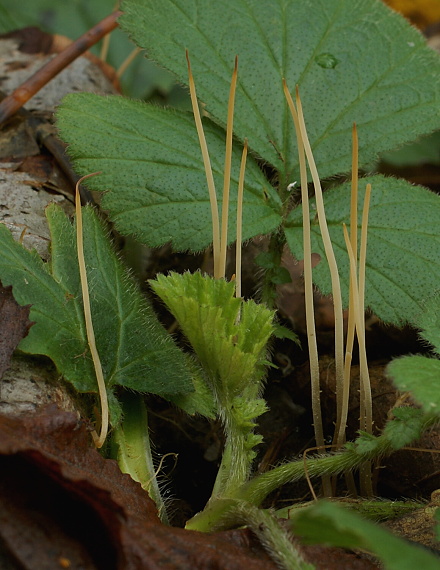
(403,262)
(229,336)
(332,525)
(132,344)
(354,60)
(151,162)
(420,376)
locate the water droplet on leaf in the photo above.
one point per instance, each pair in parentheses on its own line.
(326,60)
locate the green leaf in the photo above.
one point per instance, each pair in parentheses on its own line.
(132,345)
(366,443)
(403,265)
(151,161)
(424,151)
(284,332)
(405,428)
(420,376)
(429,322)
(353,61)
(201,400)
(229,336)
(329,524)
(133,450)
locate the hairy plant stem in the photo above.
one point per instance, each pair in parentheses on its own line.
(134,449)
(235,467)
(268,530)
(259,487)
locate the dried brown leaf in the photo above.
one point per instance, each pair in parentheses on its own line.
(62,505)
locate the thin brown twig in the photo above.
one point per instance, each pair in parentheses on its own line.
(31,86)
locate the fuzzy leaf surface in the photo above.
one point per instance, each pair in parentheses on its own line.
(151,162)
(231,350)
(133,346)
(403,264)
(354,60)
(330,524)
(429,322)
(420,376)
(405,428)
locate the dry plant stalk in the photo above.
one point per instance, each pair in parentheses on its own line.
(99,440)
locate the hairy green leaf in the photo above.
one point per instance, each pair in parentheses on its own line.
(229,336)
(420,376)
(131,343)
(405,428)
(151,161)
(330,524)
(354,60)
(403,264)
(429,322)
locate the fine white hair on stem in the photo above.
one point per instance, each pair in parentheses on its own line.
(227,171)
(328,248)
(308,287)
(99,440)
(208,172)
(240,220)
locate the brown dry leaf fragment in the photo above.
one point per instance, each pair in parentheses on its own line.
(14,325)
(60,500)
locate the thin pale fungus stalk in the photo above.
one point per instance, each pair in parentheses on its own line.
(308,281)
(99,440)
(308,289)
(208,172)
(366,416)
(366,423)
(343,391)
(336,287)
(240,220)
(227,171)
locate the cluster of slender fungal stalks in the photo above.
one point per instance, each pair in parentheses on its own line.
(356,309)
(220,238)
(356,322)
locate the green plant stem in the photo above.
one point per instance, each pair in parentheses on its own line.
(134,449)
(235,465)
(258,488)
(267,528)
